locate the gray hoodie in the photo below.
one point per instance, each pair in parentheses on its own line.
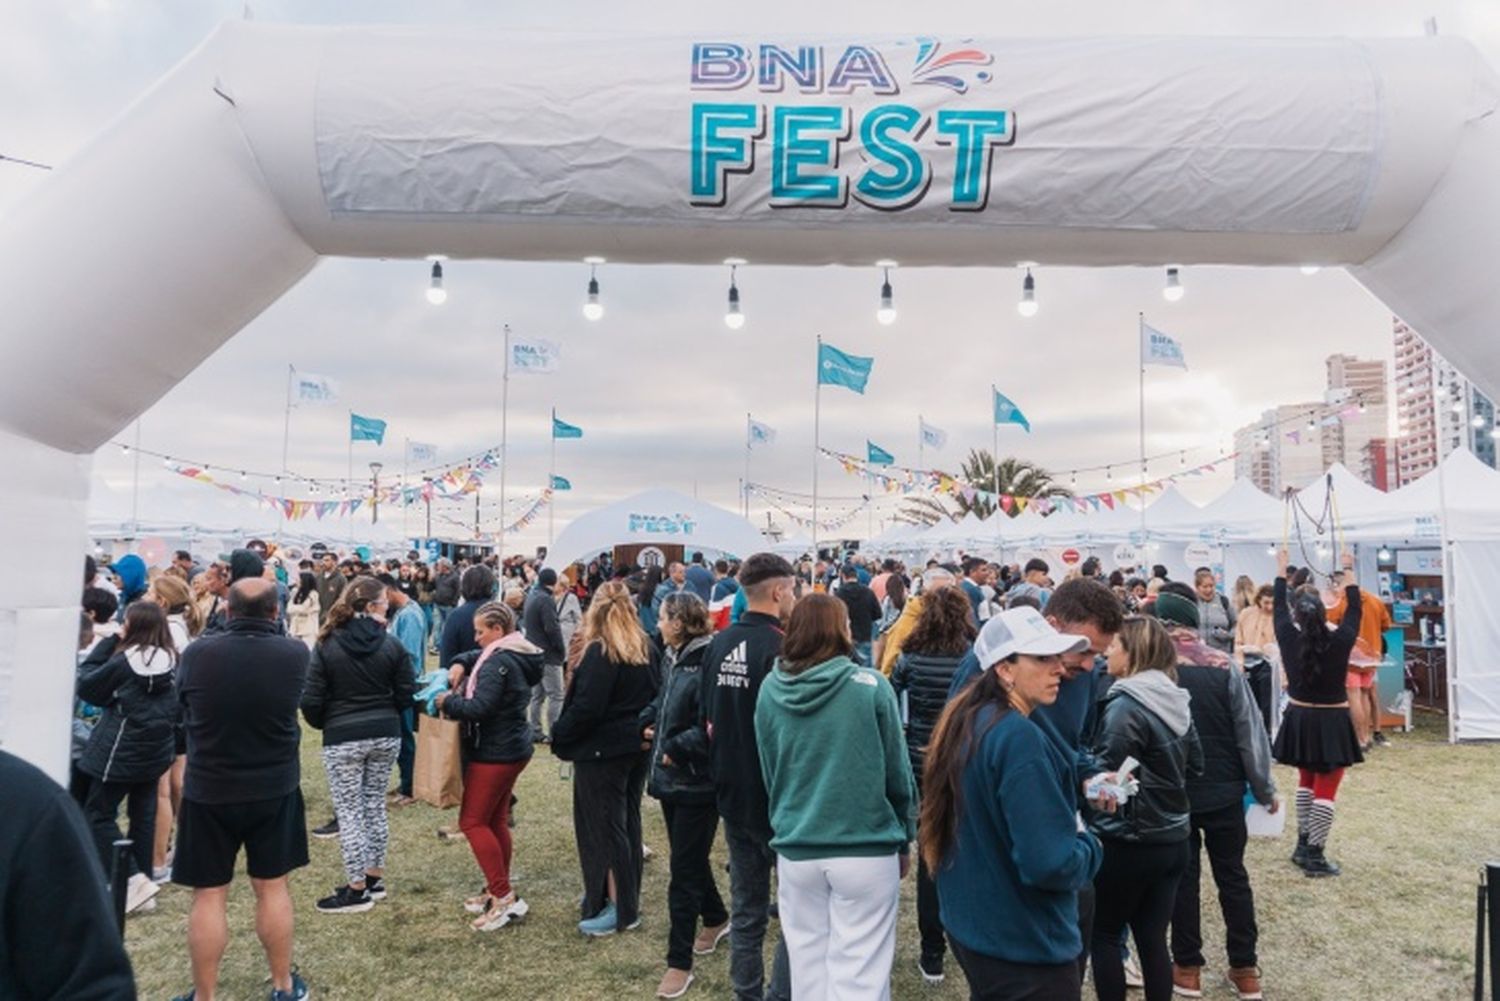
(1160,694)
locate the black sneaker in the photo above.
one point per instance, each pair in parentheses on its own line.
(345,900)
(375,887)
(328,830)
(931,968)
(1381,740)
(299,991)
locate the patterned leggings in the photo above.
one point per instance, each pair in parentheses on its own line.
(359,772)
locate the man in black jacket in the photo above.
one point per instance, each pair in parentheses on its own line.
(444,597)
(739,659)
(864,611)
(58,939)
(239,691)
(476,586)
(541,626)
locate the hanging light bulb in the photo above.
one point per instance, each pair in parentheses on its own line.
(313,489)
(1109,473)
(1027,306)
(1312,422)
(1477,421)
(733,318)
(1495,432)
(1310,269)
(1182,459)
(124,449)
(1361,404)
(1384,555)
(886,314)
(1270,550)
(242,476)
(592,308)
(166,460)
(436,294)
(1458,406)
(1173,290)
(1072,479)
(1442,391)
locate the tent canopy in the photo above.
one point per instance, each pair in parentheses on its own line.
(656,517)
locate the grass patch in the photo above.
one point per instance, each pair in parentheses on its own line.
(1414,825)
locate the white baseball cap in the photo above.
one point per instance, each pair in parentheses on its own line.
(1022,630)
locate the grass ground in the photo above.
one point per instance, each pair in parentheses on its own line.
(1415,823)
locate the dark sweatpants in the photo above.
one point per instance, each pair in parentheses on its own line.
(607,826)
(691,892)
(102,804)
(1223,832)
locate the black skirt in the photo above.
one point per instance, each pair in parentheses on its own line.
(1319,739)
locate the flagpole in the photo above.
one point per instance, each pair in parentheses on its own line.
(921,445)
(1140,340)
(286,430)
(551,481)
(745,484)
(995,464)
(504,446)
(405,470)
(817,440)
(349,480)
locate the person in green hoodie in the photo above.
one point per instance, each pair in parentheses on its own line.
(842,806)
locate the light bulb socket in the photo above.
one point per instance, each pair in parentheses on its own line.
(437,274)
(593,289)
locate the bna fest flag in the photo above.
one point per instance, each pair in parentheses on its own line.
(366,429)
(1006,412)
(835,368)
(933,437)
(1159,349)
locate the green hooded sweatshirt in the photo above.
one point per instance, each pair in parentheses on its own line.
(835,764)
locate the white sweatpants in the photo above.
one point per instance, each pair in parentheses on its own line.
(838,916)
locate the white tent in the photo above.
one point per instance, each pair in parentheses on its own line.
(792,546)
(660,517)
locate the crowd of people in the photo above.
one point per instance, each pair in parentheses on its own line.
(1051,758)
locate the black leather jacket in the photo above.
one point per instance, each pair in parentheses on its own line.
(134,738)
(1159,813)
(679,729)
(495,726)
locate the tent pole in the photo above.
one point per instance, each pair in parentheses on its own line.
(504,446)
(817,441)
(1450,659)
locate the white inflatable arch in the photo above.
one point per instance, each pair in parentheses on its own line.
(270,146)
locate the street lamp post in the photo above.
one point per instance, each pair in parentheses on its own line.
(375,468)
(427,493)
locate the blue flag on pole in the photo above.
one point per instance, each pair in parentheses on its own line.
(835,368)
(1007,412)
(562,429)
(558,483)
(878,456)
(366,429)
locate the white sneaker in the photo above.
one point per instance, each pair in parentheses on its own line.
(139,892)
(1133,976)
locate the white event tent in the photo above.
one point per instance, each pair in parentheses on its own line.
(659,517)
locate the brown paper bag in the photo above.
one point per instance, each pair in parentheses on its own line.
(437,775)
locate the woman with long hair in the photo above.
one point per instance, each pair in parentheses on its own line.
(944,633)
(1245,593)
(841,803)
(132,679)
(490,699)
(599,731)
(305,609)
(891,607)
(358,681)
(1255,645)
(999,824)
(1145,716)
(681,780)
(185,622)
(1317,733)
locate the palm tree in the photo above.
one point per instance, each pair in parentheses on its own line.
(1018,478)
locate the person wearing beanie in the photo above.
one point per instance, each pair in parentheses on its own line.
(1236,753)
(541,625)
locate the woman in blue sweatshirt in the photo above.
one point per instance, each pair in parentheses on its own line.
(999,825)
(842,806)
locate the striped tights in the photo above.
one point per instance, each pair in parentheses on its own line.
(1316,792)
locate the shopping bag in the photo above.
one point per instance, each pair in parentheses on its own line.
(438,776)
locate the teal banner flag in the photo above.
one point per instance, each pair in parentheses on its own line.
(558,483)
(1007,412)
(366,429)
(562,429)
(877,455)
(835,368)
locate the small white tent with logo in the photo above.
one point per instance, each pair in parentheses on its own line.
(656,517)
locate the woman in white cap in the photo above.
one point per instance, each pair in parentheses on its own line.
(999,827)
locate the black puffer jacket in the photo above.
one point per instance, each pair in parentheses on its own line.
(679,729)
(1146,717)
(359,681)
(496,731)
(601,713)
(924,681)
(135,738)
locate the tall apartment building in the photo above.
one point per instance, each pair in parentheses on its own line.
(1437,409)
(1357,394)
(1283,449)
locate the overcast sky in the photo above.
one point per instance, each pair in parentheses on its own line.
(660,386)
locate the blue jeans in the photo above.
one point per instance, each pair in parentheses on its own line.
(406,757)
(443,611)
(862,655)
(750,864)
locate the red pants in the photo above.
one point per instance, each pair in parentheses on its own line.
(484,818)
(1324,785)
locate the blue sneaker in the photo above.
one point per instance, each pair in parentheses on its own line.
(299,991)
(600,924)
(189,996)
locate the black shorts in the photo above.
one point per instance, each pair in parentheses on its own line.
(209,835)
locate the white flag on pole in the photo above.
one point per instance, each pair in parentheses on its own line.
(420,451)
(312,388)
(760,434)
(534,357)
(1159,349)
(933,437)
